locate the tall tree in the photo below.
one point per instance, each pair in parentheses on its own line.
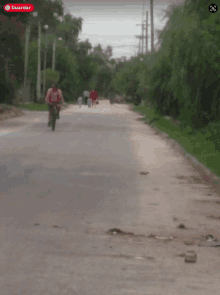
(109,52)
(71,27)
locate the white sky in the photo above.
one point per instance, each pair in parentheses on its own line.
(115,22)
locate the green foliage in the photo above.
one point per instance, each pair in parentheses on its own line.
(102,70)
(109,52)
(69,30)
(32,63)
(11,57)
(50,77)
(66,70)
(46,10)
(86,68)
(67,65)
(78,69)
(68,93)
(127,80)
(185,70)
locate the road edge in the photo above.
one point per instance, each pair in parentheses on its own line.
(206,174)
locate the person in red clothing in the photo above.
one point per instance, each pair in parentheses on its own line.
(93,96)
(54,97)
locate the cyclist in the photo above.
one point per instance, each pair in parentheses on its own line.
(54,98)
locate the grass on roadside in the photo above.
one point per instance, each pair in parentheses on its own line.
(204,145)
(34,107)
(38,106)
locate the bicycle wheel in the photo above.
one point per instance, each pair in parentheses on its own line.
(54,117)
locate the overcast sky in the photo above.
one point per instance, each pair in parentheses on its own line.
(115,22)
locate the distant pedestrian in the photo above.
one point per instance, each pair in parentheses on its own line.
(89,102)
(93,96)
(80,102)
(86,96)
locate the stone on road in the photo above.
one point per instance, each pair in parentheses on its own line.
(61,191)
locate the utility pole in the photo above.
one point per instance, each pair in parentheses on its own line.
(45,60)
(139,50)
(139,37)
(146,32)
(54,52)
(142,37)
(135,52)
(142,21)
(39,63)
(152,25)
(28,29)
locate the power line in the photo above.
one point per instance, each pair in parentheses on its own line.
(129,45)
(107,35)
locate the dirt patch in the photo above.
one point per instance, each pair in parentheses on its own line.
(122,256)
(189,243)
(214,217)
(131,108)
(209,201)
(182,226)
(191,179)
(181,255)
(175,218)
(144,172)
(117,231)
(140,119)
(7,112)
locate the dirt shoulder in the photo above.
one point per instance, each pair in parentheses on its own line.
(205,174)
(7,112)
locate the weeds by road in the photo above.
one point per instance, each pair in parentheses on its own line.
(35,106)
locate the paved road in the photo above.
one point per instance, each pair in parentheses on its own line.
(61,191)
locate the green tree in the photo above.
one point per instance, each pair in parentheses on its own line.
(102,70)
(68,67)
(69,29)
(185,70)
(12,26)
(46,10)
(109,52)
(127,81)
(86,69)
(51,76)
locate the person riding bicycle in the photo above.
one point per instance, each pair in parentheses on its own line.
(54,98)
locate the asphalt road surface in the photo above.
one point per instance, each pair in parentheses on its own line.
(61,191)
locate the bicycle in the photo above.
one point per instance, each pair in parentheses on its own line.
(53,117)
